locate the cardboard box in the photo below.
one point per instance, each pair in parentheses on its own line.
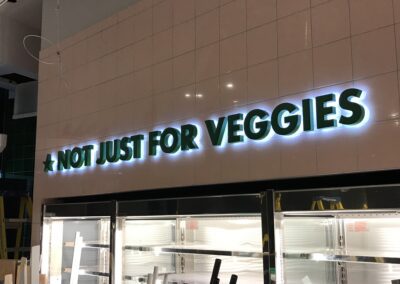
(7,267)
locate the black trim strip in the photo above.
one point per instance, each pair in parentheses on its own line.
(377,178)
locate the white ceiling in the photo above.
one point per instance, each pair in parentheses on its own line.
(28,12)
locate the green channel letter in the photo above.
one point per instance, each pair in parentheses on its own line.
(258,130)
(234,128)
(87,152)
(216,132)
(308,115)
(64,161)
(189,133)
(323,111)
(102,154)
(357,111)
(113,150)
(154,142)
(176,140)
(48,164)
(293,120)
(137,145)
(126,149)
(77,158)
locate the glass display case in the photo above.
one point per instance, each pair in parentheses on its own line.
(184,244)
(215,239)
(184,249)
(338,245)
(335,236)
(76,243)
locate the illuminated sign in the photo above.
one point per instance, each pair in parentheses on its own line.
(286,119)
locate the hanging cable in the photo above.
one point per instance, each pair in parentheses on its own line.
(30,53)
(58,52)
(58,47)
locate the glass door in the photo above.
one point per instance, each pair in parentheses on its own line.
(75,249)
(189,248)
(342,238)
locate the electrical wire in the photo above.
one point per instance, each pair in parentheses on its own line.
(58,7)
(2,2)
(30,53)
(58,51)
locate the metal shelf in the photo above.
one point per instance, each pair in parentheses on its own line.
(89,272)
(200,277)
(88,245)
(341,258)
(194,250)
(142,278)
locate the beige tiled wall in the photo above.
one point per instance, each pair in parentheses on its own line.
(131,73)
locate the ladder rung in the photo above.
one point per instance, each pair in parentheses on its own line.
(16,220)
(23,249)
(15,223)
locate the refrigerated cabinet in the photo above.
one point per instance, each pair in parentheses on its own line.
(155,241)
(182,239)
(338,245)
(335,236)
(76,237)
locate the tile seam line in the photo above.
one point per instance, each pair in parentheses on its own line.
(269,22)
(221,109)
(205,46)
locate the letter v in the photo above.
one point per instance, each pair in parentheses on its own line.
(216,132)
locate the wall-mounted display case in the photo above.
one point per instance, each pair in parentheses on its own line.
(76,243)
(331,244)
(338,247)
(182,239)
(183,249)
(331,236)
(189,240)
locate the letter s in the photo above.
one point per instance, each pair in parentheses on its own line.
(357,110)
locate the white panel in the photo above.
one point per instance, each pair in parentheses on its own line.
(25,103)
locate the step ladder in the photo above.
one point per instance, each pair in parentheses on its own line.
(25,209)
(335,203)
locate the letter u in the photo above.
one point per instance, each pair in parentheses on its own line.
(113,154)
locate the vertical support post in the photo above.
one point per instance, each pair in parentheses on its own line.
(44,247)
(267,214)
(34,264)
(113,229)
(3,235)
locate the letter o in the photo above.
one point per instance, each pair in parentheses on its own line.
(76,158)
(176,140)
